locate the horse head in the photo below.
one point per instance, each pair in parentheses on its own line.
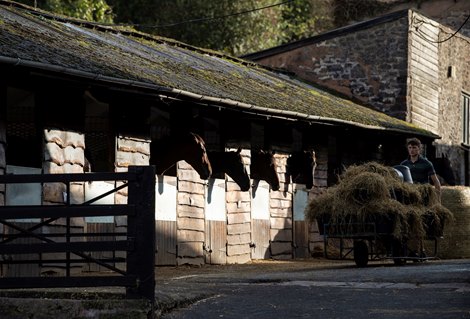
(443,168)
(187,146)
(301,167)
(263,166)
(231,163)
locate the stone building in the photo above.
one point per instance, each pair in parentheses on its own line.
(403,64)
(76,97)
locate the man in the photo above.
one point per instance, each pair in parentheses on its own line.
(421,168)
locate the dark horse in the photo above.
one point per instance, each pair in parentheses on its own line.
(230,163)
(444,170)
(301,167)
(263,167)
(185,146)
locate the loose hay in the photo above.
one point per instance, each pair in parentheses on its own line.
(406,193)
(362,188)
(372,167)
(373,193)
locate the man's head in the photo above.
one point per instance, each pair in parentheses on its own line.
(413,141)
(414,146)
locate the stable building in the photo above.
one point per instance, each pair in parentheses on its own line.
(81,98)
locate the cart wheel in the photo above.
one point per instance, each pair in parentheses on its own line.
(361,253)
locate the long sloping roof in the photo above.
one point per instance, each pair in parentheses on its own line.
(38,40)
(327,35)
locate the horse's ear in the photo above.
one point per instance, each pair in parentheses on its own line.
(239,150)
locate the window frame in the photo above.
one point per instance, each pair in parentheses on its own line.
(465,119)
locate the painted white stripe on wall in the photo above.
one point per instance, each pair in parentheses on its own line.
(23,194)
(165,198)
(95,189)
(215,200)
(300,203)
(260,201)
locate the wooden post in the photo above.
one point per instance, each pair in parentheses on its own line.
(141,230)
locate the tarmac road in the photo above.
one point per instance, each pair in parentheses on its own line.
(433,289)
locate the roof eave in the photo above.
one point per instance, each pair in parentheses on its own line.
(173,92)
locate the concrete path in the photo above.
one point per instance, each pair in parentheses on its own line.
(314,288)
(433,289)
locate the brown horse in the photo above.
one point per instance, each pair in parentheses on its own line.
(263,167)
(301,167)
(230,163)
(185,146)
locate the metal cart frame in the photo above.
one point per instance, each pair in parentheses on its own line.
(369,244)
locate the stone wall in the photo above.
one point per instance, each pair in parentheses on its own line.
(368,64)
(238,220)
(64,152)
(190,221)
(280,204)
(456,18)
(129,151)
(451,13)
(454,79)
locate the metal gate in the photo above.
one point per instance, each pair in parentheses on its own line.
(138,242)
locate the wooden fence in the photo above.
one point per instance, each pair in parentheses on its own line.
(138,243)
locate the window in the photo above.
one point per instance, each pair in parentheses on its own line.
(466,119)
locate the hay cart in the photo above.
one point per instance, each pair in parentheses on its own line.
(374,238)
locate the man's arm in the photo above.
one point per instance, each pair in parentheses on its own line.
(437,185)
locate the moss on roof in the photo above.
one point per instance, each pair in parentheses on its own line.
(121,53)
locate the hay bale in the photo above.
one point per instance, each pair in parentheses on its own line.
(406,193)
(456,218)
(362,188)
(373,193)
(371,167)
